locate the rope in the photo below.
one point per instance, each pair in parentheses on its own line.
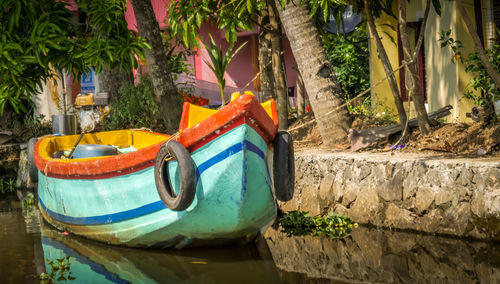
(258,74)
(169,156)
(9,160)
(356,97)
(46,179)
(410,83)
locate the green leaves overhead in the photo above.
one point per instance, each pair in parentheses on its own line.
(31,38)
(40,36)
(111,44)
(186,16)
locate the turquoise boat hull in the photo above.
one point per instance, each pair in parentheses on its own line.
(233,201)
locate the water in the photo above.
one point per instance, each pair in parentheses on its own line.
(367,255)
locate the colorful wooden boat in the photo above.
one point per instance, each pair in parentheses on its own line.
(120,199)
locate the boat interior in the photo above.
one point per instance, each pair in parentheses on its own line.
(128,140)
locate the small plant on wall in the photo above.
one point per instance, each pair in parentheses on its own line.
(7,185)
(299,223)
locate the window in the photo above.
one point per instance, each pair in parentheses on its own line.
(413,33)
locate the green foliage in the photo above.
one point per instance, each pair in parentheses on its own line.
(373,112)
(349,56)
(38,37)
(31,38)
(186,17)
(135,107)
(37,125)
(296,223)
(109,42)
(481,82)
(31,125)
(7,185)
(60,270)
(220,61)
(28,202)
(456,45)
(177,52)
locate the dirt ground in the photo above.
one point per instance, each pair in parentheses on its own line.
(455,139)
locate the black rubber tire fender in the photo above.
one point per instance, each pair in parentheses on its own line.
(187,190)
(32,170)
(283,166)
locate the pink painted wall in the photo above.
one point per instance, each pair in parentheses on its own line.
(160,8)
(239,72)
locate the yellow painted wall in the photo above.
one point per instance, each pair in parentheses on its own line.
(382,95)
(446,82)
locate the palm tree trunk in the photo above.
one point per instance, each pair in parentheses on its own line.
(414,88)
(165,89)
(278,66)
(301,106)
(325,94)
(385,63)
(265,59)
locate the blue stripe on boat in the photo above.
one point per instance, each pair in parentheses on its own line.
(155,206)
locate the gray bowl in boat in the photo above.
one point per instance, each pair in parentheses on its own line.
(94,150)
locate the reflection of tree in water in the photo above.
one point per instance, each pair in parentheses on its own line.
(373,255)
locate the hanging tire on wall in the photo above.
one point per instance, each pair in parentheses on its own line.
(187,188)
(32,170)
(283,166)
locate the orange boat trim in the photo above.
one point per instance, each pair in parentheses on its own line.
(245,109)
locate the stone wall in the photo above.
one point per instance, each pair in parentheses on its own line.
(433,194)
(9,159)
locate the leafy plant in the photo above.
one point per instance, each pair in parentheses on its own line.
(349,56)
(373,111)
(39,36)
(186,17)
(37,125)
(28,202)
(220,61)
(296,223)
(481,81)
(7,185)
(135,107)
(455,45)
(59,271)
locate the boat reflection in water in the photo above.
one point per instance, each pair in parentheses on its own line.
(92,262)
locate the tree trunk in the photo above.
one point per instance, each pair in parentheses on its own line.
(415,91)
(495,76)
(301,106)
(110,80)
(165,89)
(278,66)
(385,63)
(265,59)
(325,95)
